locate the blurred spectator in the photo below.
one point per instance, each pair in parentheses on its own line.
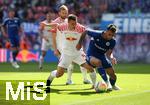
(88,11)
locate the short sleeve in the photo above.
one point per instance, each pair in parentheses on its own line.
(113,44)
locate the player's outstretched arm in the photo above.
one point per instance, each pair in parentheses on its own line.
(93,33)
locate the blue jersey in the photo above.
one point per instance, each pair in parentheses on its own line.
(12,26)
(98,45)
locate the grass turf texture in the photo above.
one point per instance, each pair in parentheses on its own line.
(134,80)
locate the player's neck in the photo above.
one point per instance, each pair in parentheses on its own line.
(49,21)
(71,29)
(62,18)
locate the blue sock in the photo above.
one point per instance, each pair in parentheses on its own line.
(14,55)
(112,81)
(102,73)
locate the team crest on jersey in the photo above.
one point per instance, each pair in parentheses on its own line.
(97,39)
(107,43)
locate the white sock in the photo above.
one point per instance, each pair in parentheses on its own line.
(52,75)
(93,77)
(84,73)
(69,72)
(41,61)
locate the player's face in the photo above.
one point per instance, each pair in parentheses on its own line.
(48,17)
(72,24)
(63,14)
(109,35)
(11,14)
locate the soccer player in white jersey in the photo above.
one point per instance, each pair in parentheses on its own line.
(57,45)
(45,31)
(71,33)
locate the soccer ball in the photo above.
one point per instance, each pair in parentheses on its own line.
(101,87)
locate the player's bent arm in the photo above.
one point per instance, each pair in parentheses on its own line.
(54,41)
(111,57)
(56,52)
(79,45)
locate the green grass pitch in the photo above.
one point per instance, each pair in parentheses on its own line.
(134,79)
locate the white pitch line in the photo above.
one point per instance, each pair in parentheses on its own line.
(97,99)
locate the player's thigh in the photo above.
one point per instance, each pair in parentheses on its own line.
(105,62)
(65,61)
(79,60)
(93,61)
(14,43)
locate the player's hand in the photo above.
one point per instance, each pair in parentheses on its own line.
(78,46)
(113,61)
(57,53)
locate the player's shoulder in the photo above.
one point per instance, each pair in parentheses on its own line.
(113,41)
(80,28)
(56,20)
(6,19)
(63,26)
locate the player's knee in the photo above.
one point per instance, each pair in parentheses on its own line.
(59,74)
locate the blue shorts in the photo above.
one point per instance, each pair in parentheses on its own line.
(14,41)
(105,62)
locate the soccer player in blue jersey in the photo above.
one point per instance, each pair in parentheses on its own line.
(10,29)
(99,51)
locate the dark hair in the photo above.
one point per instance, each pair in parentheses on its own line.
(72,17)
(112,27)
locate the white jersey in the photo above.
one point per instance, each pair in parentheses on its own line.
(70,38)
(59,38)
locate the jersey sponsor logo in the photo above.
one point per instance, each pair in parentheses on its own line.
(97,40)
(15,21)
(71,38)
(99,47)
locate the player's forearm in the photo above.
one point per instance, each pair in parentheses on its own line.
(54,41)
(82,38)
(109,54)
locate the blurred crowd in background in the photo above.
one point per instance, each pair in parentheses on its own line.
(88,11)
